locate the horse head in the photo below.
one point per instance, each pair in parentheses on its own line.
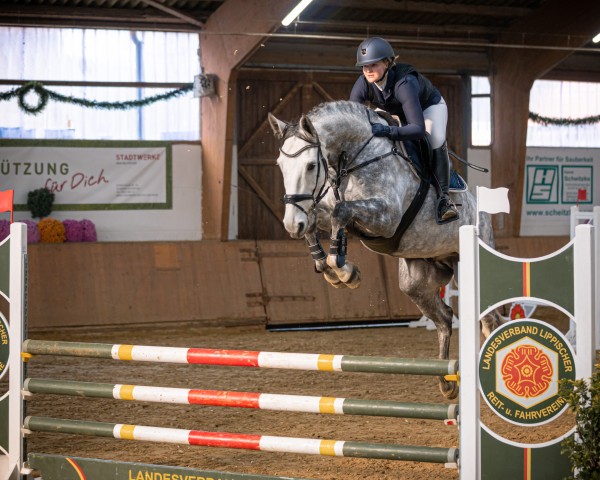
(304,170)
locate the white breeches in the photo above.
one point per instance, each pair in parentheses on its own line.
(436,118)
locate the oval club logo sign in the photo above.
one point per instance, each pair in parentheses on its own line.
(520,366)
(4,346)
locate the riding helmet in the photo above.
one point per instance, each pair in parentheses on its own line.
(372,50)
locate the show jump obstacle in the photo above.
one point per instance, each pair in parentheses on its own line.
(520,364)
(511,351)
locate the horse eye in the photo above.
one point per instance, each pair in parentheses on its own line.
(311,166)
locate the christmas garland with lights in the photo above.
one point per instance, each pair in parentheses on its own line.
(44,95)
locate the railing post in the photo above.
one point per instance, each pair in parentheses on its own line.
(18,301)
(469,345)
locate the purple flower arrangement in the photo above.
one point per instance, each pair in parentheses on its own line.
(4,229)
(33,234)
(88,231)
(80,230)
(54,231)
(73,230)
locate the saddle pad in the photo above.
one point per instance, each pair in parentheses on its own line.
(457,184)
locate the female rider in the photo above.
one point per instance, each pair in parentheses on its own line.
(400,90)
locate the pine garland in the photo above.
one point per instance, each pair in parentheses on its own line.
(563,121)
(44,95)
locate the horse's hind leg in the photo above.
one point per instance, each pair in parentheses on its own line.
(421,280)
(490,322)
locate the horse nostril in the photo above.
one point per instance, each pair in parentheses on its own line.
(300,227)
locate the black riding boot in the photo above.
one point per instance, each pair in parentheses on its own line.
(445,211)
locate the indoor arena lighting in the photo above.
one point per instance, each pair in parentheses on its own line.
(596,39)
(295,12)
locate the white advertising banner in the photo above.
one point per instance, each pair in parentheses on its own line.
(556,179)
(115,177)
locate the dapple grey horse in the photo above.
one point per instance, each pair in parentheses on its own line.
(338,178)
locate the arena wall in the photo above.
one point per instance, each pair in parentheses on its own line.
(214,283)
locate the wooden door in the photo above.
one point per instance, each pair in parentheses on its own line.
(287,95)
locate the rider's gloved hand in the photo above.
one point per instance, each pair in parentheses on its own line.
(380,130)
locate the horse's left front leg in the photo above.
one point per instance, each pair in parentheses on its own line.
(320,258)
(369,213)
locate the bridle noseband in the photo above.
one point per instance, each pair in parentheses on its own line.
(299,197)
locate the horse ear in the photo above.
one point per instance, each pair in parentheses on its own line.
(307,126)
(277,126)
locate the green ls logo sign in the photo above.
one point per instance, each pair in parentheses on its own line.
(542,184)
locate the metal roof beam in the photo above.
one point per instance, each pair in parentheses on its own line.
(176,13)
(34,12)
(430,7)
(405,28)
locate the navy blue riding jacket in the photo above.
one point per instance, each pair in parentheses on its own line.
(406,94)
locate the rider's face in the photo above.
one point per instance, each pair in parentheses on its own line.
(375,71)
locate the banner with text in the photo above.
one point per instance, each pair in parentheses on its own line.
(556,179)
(90,178)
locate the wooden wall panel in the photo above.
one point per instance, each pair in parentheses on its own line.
(128,283)
(255,220)
(213,283)
(370,300)
(222,56)
(295,293)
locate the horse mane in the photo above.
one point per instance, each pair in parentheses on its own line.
(338,107)
(341,108)
(342,119)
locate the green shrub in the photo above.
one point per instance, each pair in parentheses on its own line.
(584,447)
(40,202)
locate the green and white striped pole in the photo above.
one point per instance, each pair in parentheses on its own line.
(262,401)
(245,358)
(265,443)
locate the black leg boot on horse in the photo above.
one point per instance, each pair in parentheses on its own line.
(445,211)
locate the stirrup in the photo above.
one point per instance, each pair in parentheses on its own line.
(444,204)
